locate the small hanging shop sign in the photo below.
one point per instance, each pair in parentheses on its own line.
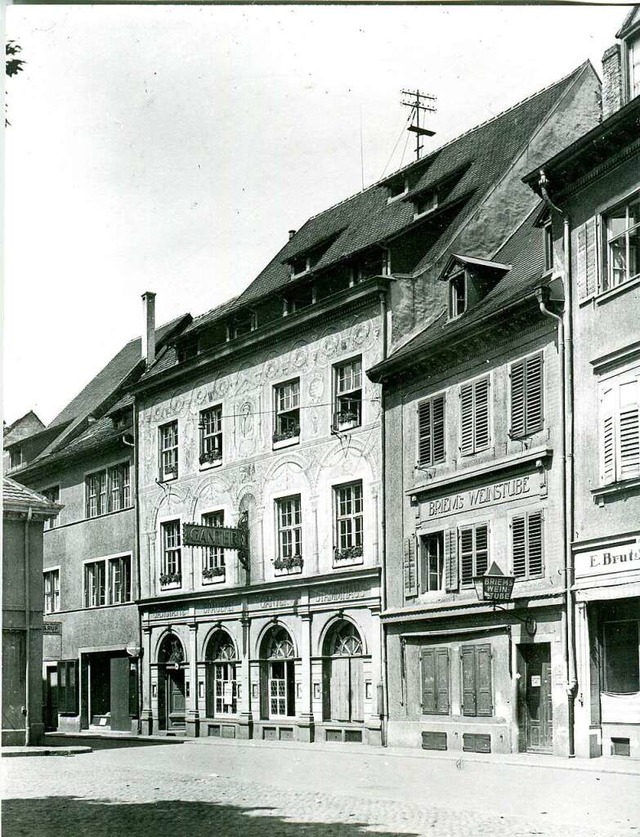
(223,537)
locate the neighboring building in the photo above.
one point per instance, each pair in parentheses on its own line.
(13,453)
(85,460)
(595,186)
(474,482)
(23,515)
(261,416)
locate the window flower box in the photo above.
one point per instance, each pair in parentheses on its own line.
(170,472)
(288,563)
(346,418)
(211,457)
(283,435)
(351,553)
(170,578)
(213,572)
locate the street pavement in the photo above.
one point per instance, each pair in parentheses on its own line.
(226,788)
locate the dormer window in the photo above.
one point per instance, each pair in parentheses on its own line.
(457,294)
(424,204)
(397,188)
(16,457)
(633,67)
(242,324)
(301,298)
(187,349)
(300,266)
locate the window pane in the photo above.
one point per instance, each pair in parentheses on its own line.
(621,657)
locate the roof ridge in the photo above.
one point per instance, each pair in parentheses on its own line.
(215,308)
(440,148)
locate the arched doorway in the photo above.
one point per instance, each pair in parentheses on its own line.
(277,674)
(343,692)
(222,688)
(171,690)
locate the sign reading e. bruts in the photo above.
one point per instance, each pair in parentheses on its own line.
(611,559)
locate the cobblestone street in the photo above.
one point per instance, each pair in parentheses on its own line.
(227,789)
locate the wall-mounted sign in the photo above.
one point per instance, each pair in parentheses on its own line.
(479,498)
(611,559)
(221,536)
(52,628)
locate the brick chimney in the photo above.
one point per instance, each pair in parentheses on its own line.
(149,332)
(612,93)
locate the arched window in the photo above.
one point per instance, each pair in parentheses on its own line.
(222,687)
(171,652)
(278,674)
(343,692)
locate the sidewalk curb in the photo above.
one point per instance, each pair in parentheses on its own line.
(25,752)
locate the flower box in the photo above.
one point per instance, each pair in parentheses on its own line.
(211,457)
(170,578)
(288,563)
(351,553)
(213,572)
(291,433)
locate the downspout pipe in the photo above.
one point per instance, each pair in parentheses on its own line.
(27,618)
(135,444)
(383,533)
(565,334)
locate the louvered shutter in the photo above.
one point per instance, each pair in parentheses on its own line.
(517,399)
(442,681)
(481,549)
(535,543)
(519,547)
(608,453)
(533,388)
(451,559)
(484,701)
(428,672)
(629,430)
(468,680)
(466,418)
(466,555)
(424,433)
(586,264)
(481,414)
(410,567)
(437,408)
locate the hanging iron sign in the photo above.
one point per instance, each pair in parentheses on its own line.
(224,537)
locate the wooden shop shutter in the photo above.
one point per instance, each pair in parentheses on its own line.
(629,430)
(451,560)
(519,547)
(586,264)
(434,663)
(468,680)
(484,701)
(442,681)
(535,552)
(410,567)
(534,417)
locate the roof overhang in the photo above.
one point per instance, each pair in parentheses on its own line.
(471,261)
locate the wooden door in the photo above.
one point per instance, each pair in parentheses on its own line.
(51,700)
(119,706)
(538,699)
(175,702)
(339,689)
(357,689)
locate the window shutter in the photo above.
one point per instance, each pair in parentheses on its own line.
(451,560)
(482,549)
(428,672)
(410,567)
(442,681)
(468,681)
(484,702)
(586,267)
(608,469)
(466,555)
(517,399)
(629,430)
(533,386)
(466,418)
(424,433)
(535,543)
(481,411)
(519,547)
(439,452)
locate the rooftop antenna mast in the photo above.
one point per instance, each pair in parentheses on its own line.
(418,102)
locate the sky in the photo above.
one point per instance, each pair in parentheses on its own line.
(171,148)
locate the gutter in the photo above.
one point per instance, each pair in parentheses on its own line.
(384,707)
(27,616)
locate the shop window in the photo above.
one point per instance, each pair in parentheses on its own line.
(213,561)
(622,244)
(621,657)
(620,430)
(289,526)
(51,591)
(107,581)
(431,431)
(287,412)
(477,690)
(347,395)
(210,426)
(168,442)
(527,414)
(108,490)
(53,496)
(432,562)
(222,687)
(474,416)
(171,566)
(68,687)
(474,551)
(349,518)
(434,670)
(526,545)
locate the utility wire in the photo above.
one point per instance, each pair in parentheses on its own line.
(402,130)
(302,407)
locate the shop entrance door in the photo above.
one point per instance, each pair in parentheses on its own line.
(51,700)
(538,708)
(174,703)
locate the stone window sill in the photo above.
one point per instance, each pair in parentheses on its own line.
(603,493)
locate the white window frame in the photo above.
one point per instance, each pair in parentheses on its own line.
(171,563)
(454,311)
(106,565)
(107,491)
(283,410)
(52,522)
(434,203)
(424,574)
(54,592)
(289,544)
(606,273)
(474,527)
(526,514)
(211,436)
(213,557)
(348,394)
(348,526)
(168,451)
(609,423)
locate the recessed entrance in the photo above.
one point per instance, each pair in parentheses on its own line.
(535,699)
(171,685)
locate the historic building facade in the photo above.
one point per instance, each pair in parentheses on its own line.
(594,186)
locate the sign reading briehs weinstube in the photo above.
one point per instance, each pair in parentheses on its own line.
(220,536)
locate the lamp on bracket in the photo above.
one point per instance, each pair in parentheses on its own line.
(495,587)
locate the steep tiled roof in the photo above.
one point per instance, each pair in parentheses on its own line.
(16,496)
(525,252)
(477,158)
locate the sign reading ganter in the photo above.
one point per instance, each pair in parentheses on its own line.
(221,536)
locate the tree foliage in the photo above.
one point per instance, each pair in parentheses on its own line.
(13,64)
